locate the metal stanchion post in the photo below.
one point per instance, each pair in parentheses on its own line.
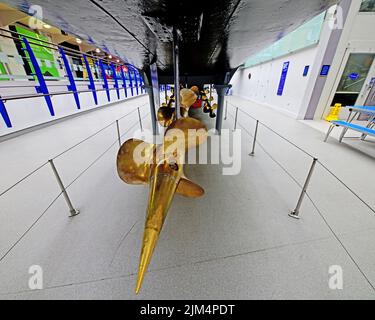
(140,119)
(255,138)
(118,133)
(226,110)
(73,212)
(235,120)
(295,212)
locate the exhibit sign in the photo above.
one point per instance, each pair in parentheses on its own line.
(325,69)
(284,74)
(44,55)
(306,71)
(354,76)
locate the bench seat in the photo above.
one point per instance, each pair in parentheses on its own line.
(347,125)
(354,127)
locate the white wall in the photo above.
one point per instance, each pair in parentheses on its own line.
(358,36)
(263,85)
(26,113)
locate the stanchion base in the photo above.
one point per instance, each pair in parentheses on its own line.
(74,213)
(252,154)
(294,215)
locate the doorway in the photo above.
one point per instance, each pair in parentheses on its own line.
(350,90)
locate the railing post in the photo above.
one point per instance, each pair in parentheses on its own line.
(73,212)
(235,120)
(118,133)
(226,110)
(255,138)
(140,119)
(295,212)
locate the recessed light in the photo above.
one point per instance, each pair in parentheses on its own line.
(118,61)
(110,57)
(97,50)
(78,40)
(47,26)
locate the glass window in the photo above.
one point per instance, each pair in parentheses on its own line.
(356,72)
(367,6)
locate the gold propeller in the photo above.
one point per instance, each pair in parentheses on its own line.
(166,115)
(161,166)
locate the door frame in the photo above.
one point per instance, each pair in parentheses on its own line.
(348,51)
(366,88)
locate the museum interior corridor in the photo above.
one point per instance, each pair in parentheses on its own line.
(238,236)
(187,150)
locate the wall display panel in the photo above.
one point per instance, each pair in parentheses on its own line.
(305,36)
(45,56)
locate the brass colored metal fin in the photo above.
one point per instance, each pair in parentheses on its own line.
(134,160)
(188,188)
(150,239)
(188,126)
(166,116)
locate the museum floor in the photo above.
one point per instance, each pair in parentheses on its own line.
(237,242)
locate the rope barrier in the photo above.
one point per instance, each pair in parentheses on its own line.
(323,166)
(101,155)
(57,197)
(29,229)
(316,206)
(23,179)
(275,132)
(65,151)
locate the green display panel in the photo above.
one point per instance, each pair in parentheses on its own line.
(3,71)
(44,55)
(305,36)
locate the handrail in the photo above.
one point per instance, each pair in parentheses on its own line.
(73,51)
(59,93)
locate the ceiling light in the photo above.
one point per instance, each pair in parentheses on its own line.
(47,26)
(118,61)
(110,57)
(97,50)
(78,40)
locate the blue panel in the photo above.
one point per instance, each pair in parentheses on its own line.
(4,114)
(355,127)
(141,83)
(353,76)
(306,71)
(284,74)
(91,79)
(130,82)
(136,81)
(42,88)
(72,86)
(116,80)
(105,85)
(124,81)
(325,70)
